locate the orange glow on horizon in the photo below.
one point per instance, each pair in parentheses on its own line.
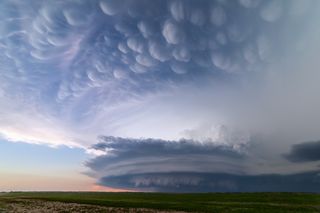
(98,188)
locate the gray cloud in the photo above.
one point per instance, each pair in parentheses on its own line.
(177,10)
(249,3)
(154,147)
(125,28)
(197,17)
(298,8)
(249,53)
(180,67)
(215,182)
(221,38)
(218,16)
(125,156)
(237,33)
(304,152)
(264,47)
(191,166)
(272,10)
(146,28)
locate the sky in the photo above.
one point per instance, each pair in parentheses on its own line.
(161,95)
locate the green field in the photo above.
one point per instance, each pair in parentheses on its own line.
(206,202)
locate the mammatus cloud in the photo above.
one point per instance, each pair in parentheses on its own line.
(80,60)
(272,11)
(218,16)
(111,7)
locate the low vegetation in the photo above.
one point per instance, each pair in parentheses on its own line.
(206,202)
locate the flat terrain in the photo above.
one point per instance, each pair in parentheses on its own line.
(36,202)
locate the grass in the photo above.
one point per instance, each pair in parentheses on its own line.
(206,202)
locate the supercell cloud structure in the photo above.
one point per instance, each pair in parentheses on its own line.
(189,166)
(205,77)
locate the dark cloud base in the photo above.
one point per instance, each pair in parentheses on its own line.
(215,182)
(304,152)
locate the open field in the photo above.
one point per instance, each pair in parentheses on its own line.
(158,202)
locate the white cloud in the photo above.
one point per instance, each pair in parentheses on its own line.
(179,67)
(23,122)
(181,54)
(111,7)
(138,68)
(220,60)
(146,60)
(57,40)
(218,134)
(146,28)
(120,73)
(135,44)
(75,17)
(97,79)
(158,51)
(176,8)
(44,56)
(173,33)
(122,46)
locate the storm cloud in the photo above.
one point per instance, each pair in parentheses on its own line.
(215,73)
(215,182)
(188,166)
(304,152)
(154,164)
(127,155)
